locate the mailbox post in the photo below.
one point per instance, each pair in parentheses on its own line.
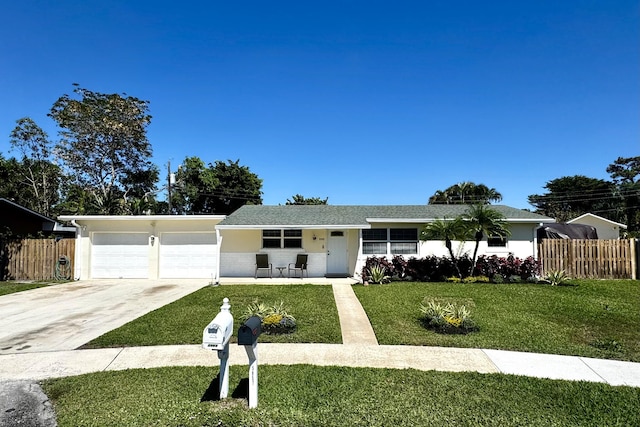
(216,336)
(248,335)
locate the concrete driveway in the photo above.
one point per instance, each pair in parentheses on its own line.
(66,316)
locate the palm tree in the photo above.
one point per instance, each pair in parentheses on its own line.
(447,230)
(483,220)
(466,193)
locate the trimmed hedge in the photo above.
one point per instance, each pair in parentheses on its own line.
(437,269)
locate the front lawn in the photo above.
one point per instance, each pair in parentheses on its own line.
(182,321)
(303,395)
(593,318)
(7,288)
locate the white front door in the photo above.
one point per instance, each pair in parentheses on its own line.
(337,257)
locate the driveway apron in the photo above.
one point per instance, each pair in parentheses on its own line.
(66,316)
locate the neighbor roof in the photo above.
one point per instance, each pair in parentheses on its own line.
(590,215)
(343,216)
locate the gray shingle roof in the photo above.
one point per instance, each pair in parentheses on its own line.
(356,216)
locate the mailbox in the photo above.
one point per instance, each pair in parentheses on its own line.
(218,333)
(249,332)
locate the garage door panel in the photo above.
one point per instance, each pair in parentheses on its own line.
(188,255)
(120,255)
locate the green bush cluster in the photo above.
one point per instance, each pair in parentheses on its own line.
(274,318)
(447,317)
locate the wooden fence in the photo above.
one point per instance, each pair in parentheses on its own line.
(37,259)
(590,259)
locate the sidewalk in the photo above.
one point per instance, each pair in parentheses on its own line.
(360,349)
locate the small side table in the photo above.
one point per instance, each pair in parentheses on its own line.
(281,271)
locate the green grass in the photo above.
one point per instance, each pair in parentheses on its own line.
(182,322)
(594,318)
(7,288)
(305,395)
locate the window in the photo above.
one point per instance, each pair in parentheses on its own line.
(374,241)
(404,241)
(394,241)
(282,239)
(496,241)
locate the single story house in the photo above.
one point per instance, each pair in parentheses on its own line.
(337,240)
(606,228)
(19,221)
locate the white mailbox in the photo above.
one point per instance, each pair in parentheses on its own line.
(218,333)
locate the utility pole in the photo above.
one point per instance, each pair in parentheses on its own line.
(169,186)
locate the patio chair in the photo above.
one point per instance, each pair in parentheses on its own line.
(299,265)
(262,263)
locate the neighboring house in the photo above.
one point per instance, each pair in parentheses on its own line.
(606,228)
(337,239)
(19,221)
(146,247)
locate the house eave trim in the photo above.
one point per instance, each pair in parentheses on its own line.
(292,226)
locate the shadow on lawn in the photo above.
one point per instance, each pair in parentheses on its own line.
(212,394)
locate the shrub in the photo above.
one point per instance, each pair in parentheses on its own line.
(556,277)
(437,269)
(377,275)
(509,267)
(382,263)
(447,317)
(274,318)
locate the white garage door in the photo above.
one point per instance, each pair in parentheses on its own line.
(120,255)
(188,255)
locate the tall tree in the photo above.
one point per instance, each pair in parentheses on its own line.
(41,178)
(625,172)
(465,193)
(103,143)
(447,230)
(482,220)
(10,185)
(218,188)
(194,188)
(571,196)
(299,199)
(237,186)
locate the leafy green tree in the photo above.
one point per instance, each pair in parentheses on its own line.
(237,186)
(465,193)
(194,188)
(571,196)
(40,177)
(482,220)
(625,172)
(298,199)
(103,144)
(447,230)
(10,185)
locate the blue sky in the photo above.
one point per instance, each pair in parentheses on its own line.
(364,102)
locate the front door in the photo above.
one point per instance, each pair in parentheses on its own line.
(337,258)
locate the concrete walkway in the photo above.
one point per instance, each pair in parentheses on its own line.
(360,349)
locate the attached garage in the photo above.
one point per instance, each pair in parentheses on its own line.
(146,246)
(120,256)
(188,255)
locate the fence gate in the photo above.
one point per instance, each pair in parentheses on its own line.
(590,259)
(37,259)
